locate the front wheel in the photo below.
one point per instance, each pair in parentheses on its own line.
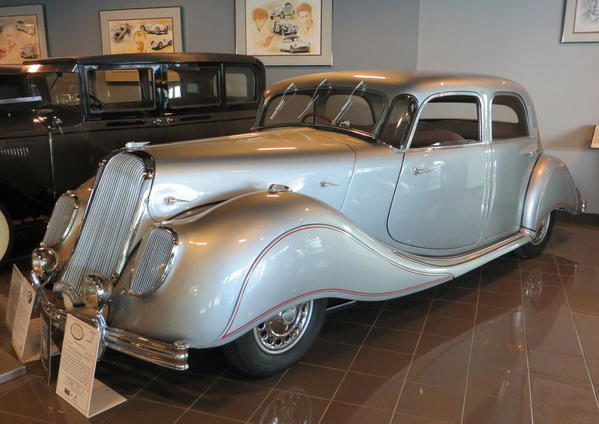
(279,342)
(6,232)
(535,247)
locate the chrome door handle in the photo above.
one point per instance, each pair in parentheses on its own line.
(157,122)
(532,152)
(418,171)
(170,120)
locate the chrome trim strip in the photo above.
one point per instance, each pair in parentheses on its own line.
(520,238)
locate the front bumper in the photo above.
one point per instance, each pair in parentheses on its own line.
(170,355)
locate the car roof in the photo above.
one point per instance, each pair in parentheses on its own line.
(392,83)
(151,58)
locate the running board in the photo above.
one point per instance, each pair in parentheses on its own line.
(488,253)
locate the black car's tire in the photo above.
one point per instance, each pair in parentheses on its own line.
(271,347)
(535,247)
(6,233)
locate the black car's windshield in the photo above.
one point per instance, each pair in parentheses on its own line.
(353,108)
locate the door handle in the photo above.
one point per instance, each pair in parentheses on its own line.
(418,171)
(170,120)
(157,122)
(532,152)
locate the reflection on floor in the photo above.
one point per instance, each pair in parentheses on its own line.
(513,342)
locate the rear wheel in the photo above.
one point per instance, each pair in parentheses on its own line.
(536,246)
(6,233)
(279,342)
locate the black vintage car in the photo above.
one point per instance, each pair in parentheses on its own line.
(59,117)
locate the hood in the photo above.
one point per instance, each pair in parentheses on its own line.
(194,173)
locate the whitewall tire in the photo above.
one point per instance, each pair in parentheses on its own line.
(5,232)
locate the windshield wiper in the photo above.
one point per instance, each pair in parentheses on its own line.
(348,103)
(282,101)
(313,99)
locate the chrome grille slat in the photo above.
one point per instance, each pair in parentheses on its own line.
(107,228)
(60,220)
(152,261)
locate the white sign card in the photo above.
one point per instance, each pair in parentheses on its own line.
(25,331)
(16,281)
(76,383)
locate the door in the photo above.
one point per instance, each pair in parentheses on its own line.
(439,202)
(194,101)
(514,152)
(121,107)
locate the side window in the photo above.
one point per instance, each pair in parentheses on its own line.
(397,126)
(448,121)
(192,86)
(121,90)
(240,84)
(508,117)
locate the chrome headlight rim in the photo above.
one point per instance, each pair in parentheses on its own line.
(69,226)
(96,291)
(169,263)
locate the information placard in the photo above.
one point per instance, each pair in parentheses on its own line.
(16,281)
(76,383)
(25,331)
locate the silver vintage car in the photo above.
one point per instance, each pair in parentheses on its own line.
(356,185)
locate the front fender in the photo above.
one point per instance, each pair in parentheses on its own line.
(246,259)
(551,187)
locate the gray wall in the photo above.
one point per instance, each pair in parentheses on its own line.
(380,34)
(519,39)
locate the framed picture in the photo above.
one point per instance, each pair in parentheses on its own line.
(141,30)
(292,32)
(22,34)
(581,21)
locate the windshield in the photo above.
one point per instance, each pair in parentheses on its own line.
(348,108)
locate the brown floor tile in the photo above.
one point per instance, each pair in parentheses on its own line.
(481,409)
(382,363)
(311,380)
(343,413)
(502,286)
(125,374)
(558,402)
(447,327)
(548,279)
(234,374)
(542,266)
(359,313)
(486,313)
(587,326)
(411,419)
(580,270)
(231,399)
(456,310)
(369,390)
(409,304)
(452,293)
(141,411)
(396,340)
(330,354)
(566,369)
(502,383)
(176,388)
(437,403)
(289,407)
(508,300)
(400,320)
(557,342)
(193,417)
(344,332)
(13,419)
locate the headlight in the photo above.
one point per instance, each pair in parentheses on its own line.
(61,220)
(95,291)
(153,261)
(44,261)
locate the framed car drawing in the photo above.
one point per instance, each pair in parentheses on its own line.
(22,34)
(581,21)
(141,30)
(293,32)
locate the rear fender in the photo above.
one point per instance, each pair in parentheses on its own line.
(551,187)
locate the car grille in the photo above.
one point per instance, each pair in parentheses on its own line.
(61,220)
(106,232)
(152,261)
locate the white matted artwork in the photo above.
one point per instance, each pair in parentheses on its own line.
(22,34)
(141,30)
(581,21)
(293,32)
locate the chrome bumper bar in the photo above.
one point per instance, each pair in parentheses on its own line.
(170,355)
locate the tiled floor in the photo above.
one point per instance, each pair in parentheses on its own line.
(513,342)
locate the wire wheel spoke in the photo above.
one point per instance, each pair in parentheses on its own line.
(284,330)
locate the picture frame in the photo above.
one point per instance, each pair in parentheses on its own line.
(581,21)
(145,30)
(22,34)
(285,33)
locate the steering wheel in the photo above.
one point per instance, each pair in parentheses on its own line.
(318,115)
(99,104)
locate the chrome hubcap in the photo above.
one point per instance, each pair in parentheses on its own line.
(283,331)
